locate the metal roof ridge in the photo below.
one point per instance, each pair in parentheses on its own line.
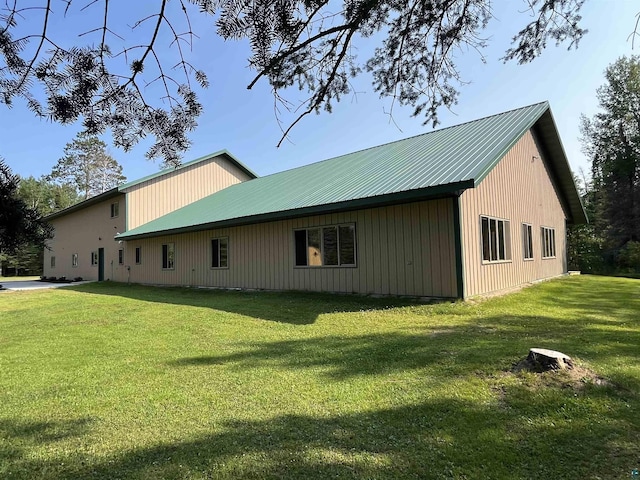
(198,160)
(544,102)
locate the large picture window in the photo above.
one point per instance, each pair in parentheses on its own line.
(220,253)
(496,239)
(329,246)
(527,241)
(168,256)
(548,242)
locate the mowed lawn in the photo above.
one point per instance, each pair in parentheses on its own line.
(113,381)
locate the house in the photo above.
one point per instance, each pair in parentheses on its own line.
(84,245)
(466,210)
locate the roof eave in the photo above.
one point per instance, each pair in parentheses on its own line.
(430,193)
(547,131)
(114,192)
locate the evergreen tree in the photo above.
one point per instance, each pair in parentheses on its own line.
(87,166)
(20,224)
(611,140)
(102,79)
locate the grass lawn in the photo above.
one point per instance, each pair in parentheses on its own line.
(113,381)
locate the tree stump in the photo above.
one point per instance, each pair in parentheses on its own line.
(543,359)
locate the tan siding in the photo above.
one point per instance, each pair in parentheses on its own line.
(390,246)
(518,189)
(159,196)
(83,232)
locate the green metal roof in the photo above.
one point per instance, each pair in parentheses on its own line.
(441,162)
(166,171)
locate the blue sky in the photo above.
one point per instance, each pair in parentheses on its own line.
(243,122)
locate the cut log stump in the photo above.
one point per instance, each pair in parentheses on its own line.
(543,359)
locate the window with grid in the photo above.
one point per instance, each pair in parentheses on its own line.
(548,242)
(496,239)
(527,241)
(328,246)
(220,252)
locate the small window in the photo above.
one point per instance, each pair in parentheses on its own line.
(94,258)
(74,260)
(527,241)
(330,246)
(496,239)
(168,256)
(121,256)
(220,253)
(548,242)
(138,256)
(53,262)
(115,209)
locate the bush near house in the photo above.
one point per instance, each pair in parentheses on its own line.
(103,381)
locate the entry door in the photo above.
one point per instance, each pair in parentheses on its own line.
(101,264)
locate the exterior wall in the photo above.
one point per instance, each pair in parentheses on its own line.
(83,232)
(400,250)
(518,189)
(159,196)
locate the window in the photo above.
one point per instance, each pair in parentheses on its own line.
(74,260)
(329,246)
(496,239)
(53,262)
(94,258)
(138,256)
(220,253)
(548,242)
(527,241)
(121,256)
(168,256)
(115,209)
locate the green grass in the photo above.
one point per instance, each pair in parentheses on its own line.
(112,381)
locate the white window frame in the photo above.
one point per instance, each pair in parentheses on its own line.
(502,244)
(527,242)
(169,263)
(115,209)
(548,238)
(216,255)
(322,253)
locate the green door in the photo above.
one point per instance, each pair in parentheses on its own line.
(101,264)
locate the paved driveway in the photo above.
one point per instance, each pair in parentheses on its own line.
(33,285)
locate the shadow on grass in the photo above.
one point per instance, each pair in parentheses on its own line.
(298,308)
(445,438)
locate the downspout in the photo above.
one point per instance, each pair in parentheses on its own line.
(457,239)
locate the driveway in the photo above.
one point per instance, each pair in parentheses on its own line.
(34,285)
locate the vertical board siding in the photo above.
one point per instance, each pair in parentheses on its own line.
(518,189)
(391,247)
(83,232)
(159,196)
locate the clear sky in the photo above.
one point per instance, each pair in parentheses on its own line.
(242,121)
